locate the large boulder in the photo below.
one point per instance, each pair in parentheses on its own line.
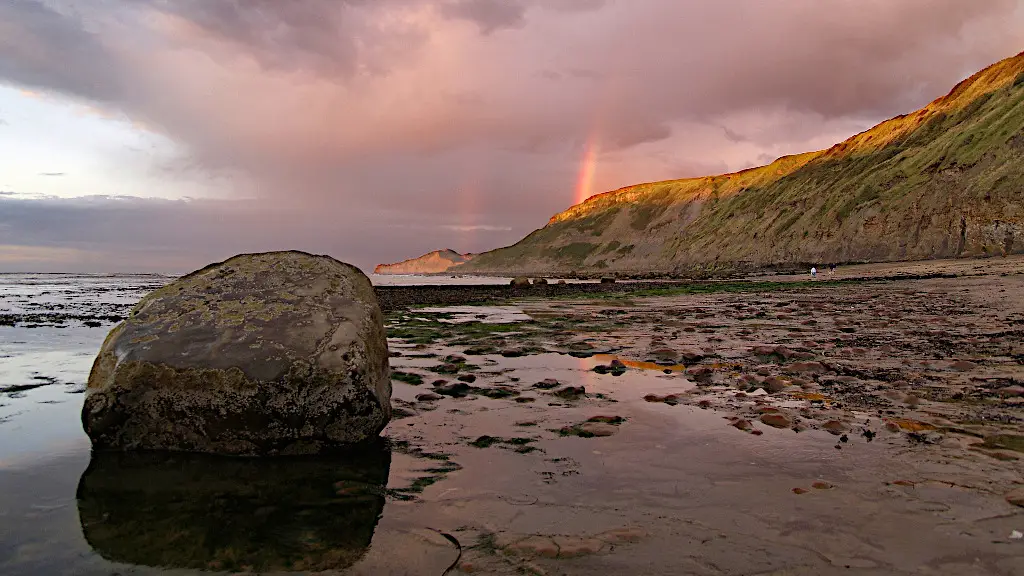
(275,353)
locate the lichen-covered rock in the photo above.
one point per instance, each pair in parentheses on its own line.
(275,353)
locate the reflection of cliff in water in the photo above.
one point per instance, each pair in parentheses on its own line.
(205,512)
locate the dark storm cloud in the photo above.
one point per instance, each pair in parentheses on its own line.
(490,15)
(476,114)
(168,236)
(42,47)
(292,35)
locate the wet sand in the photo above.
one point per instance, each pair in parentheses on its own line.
(870,427)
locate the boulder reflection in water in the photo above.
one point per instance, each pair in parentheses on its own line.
(205,512)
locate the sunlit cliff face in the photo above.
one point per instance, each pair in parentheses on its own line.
(964,95)
(380,130)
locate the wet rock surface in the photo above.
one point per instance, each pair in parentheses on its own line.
(855,401)
(277,353)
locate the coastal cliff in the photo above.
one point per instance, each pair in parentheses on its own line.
(430,263)
(945,181)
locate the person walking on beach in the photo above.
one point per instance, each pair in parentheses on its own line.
(814,272)
(831,269)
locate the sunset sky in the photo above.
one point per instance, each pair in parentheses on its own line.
(160,135)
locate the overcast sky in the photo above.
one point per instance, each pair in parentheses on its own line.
(160,135)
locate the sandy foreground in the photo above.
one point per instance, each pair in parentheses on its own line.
(873,426)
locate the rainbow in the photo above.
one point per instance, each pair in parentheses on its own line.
(588,167)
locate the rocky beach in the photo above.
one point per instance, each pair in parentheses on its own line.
(702,288)
(864,423)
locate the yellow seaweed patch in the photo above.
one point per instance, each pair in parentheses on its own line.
(639,365)
(908,425)
(812,396)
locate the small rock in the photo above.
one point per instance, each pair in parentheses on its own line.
(1016,497)
(835,427)
(540,281)
(670,399)
(547,384)
(1011,392)
(800,491)
(455,389)
(822,486)
(664,355)
(428,397)
(607,419)
(398,412)
(963,366)
(701,374)
(599,429)
(775,384)
(690,355)
(469,378)
(607,280)
(814,367)
(520,281)
(571,392)
(776,420)
(742,424)
(498,392)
